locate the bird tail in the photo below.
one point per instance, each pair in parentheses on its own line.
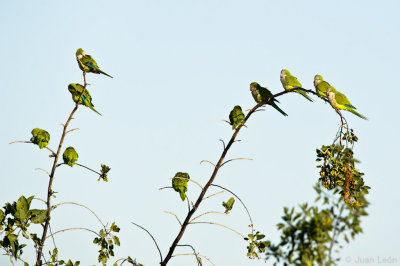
(102,72)
(278,109)
(183,195)
(356,113)
(304,94)
(91,107)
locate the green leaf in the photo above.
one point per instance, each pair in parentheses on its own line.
(116,240)
(40,217)
(22,209)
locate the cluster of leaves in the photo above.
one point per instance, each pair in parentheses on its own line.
(309,236)
(56,262)
(104,170)
(338,169)
(256,245)
(106,241)
(18,217)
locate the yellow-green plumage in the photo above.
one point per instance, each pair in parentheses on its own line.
(76,90)
(179,183)
(290,82)
(261,94)
(228,205)
(236,116)
(70,156)
(40,137)
(321,86)
(339,101)
(87,63)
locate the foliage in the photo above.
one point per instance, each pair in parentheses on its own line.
(106,241)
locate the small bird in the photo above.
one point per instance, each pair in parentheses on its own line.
(179,183)
(321,86)
(339,101)
(87,63)
(70,156)
(40,137)
(236,116)
(76,90)
(228,205)
(261,94)
(290,82)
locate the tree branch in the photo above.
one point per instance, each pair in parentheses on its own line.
(155,242)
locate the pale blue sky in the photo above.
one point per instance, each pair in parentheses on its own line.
(179,68)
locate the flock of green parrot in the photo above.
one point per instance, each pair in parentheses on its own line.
(87,64)
(260,94)
(324,90)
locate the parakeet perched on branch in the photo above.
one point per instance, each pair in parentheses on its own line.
(70,156)
(321,86)
(180,184)
(40,137)
(87,63)
(290,82)
(236,116)
(260,94)
(76,90)
(339,101)
(228,205)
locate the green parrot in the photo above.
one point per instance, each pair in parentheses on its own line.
(339,101)
(40,137)
(236,116)
(180,184)
(228,205)
(87,63)
(321,86)
(260,94)
(70,156)
(76,90)
(290,82)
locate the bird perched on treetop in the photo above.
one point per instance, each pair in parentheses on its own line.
(87,63)
(290,82)
(70,156)
(76,90)
(261,94)
(236,116)
(40,137)
(321,86)
(339,101)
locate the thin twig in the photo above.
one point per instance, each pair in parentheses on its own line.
(223,143)
(191,254)
(233,230)
(74,228)
(81,205)
(161,188)
(155,242)
(207,213)
(52,236)
(20,141)
(175,216)
(194,252)
(88,168)
(71,130)
(40,200)
(207,161)
(42,170)
(235,159)
(215,194)
(236,196)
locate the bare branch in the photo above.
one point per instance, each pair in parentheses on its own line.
(74,228)
(215,194)
(191,254)
(42,170)
(207,162)
(206,214)
(155,242)
(233,230)
(71,130)
(88,168)
(20,141)
(175,217)
(223,143)
(194,252)
(81,205)
(235,159)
